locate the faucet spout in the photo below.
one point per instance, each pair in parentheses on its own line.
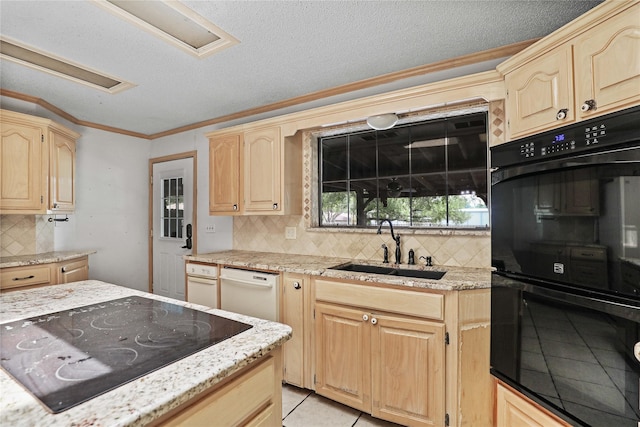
(395,237)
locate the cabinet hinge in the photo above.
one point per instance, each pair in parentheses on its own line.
(41,137)
(314,313)
(150,179)
(315,381)
(41,199)
(446,419)
(446,338)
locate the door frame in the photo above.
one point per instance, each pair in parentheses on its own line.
(193,155)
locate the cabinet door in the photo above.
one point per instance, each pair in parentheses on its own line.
(608,64)
(262,173)
(22,179)
(537,91)
(293,315)
(225,175)
(582,194)
(514,410)
(73,270)
(408,372)
(548,194)
(343,348)
(63,172)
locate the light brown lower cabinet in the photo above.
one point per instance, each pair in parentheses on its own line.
(253,397)
(415,357)
(387,365)
(296,307)
(73,270)
(515,410)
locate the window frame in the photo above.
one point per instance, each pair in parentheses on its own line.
(407,121)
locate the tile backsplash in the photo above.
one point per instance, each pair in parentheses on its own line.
(25,234)
(267,234)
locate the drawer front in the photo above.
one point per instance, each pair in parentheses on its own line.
(411,303)
(16,277)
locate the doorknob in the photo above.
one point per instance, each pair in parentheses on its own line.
(189,241)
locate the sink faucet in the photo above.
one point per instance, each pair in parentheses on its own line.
(394,237)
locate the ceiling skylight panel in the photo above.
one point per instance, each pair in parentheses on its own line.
(173,22)
(31,57)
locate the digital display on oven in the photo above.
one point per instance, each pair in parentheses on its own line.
(558,138)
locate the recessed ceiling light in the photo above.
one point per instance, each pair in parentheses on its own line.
(173,22)
(29,56)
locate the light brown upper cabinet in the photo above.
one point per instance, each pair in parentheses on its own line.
(225,195)
(601,63)
(38,165)
(255,172)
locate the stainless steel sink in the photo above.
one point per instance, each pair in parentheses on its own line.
(391,271)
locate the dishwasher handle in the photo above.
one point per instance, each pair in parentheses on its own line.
(246,283)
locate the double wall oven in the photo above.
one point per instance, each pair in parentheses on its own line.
(566,286)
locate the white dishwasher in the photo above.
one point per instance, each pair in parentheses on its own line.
(252,293)
(202,284)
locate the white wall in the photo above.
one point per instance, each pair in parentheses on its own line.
(111,208)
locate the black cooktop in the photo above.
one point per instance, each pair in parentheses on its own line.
(68,357)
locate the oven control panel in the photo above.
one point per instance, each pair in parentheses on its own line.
(616,128)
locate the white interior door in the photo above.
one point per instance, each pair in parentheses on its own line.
(172,213)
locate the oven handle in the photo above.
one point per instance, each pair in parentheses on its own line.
(623,155)
(610,306)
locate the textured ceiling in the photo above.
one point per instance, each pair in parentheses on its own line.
(287,49)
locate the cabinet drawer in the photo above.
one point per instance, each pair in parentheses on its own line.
(15,277)
(411,303)
(248,400)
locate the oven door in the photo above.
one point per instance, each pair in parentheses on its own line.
(572,353)
(573,221)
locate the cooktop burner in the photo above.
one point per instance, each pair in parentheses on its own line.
(71,356)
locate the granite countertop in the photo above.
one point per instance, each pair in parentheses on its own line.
(455,279)
(142,400)
(43,258)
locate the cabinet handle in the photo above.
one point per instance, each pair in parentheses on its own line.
(374,320)
(235,207)
(589,104)
(296,285)
(365,317)
(562,114)
(24,278)
(275,206)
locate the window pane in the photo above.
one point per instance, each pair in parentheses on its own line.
(334,158)
(362,155)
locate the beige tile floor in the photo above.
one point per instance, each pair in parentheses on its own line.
(304,408)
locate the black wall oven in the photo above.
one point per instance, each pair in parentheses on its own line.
(565,303)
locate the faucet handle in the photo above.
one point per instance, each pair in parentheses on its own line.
(427,260)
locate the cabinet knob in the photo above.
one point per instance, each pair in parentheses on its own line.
(588,105)
(374,320)
(235,207)
(365,317)
(296,285)
(562,114)
(275,206)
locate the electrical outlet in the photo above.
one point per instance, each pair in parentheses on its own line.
(210,228)
(290,233)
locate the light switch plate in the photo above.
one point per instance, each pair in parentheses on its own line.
(210,229)
(290,233)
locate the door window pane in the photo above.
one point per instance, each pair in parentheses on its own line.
(172,214)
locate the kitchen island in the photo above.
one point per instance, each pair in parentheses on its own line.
(183,387)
